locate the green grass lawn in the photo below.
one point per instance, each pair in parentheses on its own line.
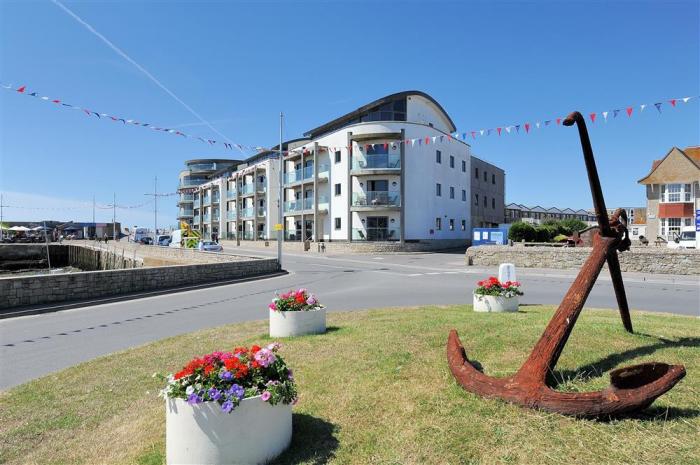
(376,389)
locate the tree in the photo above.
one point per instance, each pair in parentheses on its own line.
(521,231)
(570,225)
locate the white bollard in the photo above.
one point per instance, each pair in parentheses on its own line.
(506,272)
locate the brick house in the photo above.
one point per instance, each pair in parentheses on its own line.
(673,192)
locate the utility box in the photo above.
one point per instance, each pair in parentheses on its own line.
(489,236)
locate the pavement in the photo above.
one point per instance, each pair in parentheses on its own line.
(36,345)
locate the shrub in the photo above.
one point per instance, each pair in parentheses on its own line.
(569,226)
(545,233)
(521,231)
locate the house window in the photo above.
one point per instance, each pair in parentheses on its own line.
(337,189)
(452,192)
(676,193)
(486,177)
(493,179)
(464,166)
(337,223)
(337,156)
(670,227)
(438,224)
(688,222)
(452,224)
(438,189)
(438,156)
(464,225)
(452,161)
(486,201)
(493,203)
(476,200)
(476,173)
(464,195)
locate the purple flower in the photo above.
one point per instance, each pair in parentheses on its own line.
(226,375)
(193,399)
(236,391)
(290,375)
(227,406)
(214,394)
(266,396)
(311,300)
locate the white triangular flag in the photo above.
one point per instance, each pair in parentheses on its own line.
(44,98)
(434,137)
(413,142)
(537,124)
(481,132)
(642,107)
(605,116)
(508,129)
(685,99)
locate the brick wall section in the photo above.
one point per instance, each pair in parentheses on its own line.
(637,259)
(47,289)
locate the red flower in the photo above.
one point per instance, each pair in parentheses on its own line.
(255,349)
(255,364)
(208,369)
(240,350)
(300,299)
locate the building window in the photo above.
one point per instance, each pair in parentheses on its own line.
(438,224)
(476,200)
(493,179)
(438,189)
(476,173)
(464,166)
(337,223)
(670,227)
(464,225)
(486,177)
(438,156)
(486,201)
(337,156)
(464,195)
(676,193)
(337,189)
(688,222)
(452,224)
(493,203)
(452,192)
(452,161)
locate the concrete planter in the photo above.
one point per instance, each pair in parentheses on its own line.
(288,324)
(491,303)
(254,433)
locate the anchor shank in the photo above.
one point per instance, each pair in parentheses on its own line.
(546,352)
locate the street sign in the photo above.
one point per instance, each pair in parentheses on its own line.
(278,227)
(697,220)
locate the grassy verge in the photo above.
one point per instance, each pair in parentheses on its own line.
(376,389)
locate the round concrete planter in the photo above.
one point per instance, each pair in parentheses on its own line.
(496,304)
(254,432)
(288,324)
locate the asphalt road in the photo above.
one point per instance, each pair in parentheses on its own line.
(33,346)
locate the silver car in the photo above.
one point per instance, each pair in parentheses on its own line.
(211,246)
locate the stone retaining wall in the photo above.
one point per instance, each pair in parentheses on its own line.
(353,247)
(638,259)
(55,288)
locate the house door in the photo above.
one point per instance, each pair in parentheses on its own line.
(377,228)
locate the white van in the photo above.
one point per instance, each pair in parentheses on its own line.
(686,240)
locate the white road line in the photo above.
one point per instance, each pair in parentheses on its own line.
(416,274)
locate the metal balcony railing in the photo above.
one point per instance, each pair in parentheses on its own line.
(376,199)
(371,162)
(376,234)
(247,212)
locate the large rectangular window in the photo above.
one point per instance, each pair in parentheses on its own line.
(452,192)
(676,193)
(438,156)
(336,222)
(476,173)
(438,223)
(337,156)
(464,195)
(438,189)
(464,166)
(452,224)
(464,225)
(452,161)
(670,227)
(337,189)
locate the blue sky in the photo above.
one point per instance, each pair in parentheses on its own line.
(238,64)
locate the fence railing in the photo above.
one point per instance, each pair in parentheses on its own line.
(370,162)
(376,199)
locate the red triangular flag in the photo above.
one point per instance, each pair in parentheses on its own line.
(629,111)
(673,102)
(427,140)
(592,115)
(527,127)
(56,101)
(386,146)
(499,131)
(21,89)
(558,120)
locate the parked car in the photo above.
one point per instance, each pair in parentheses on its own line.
(164,240)
(685,240)
(146,241)
(211,246)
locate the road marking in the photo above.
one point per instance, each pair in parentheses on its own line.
(416,274)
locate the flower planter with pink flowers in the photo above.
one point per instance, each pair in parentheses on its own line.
(229,408)
(491,295)
(296,313)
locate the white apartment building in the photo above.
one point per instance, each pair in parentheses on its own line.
(387,171)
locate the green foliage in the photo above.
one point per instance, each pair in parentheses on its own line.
(521,231)
(569,226)
(560,238)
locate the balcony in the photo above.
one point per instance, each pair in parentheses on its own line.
(248,212)
(195,219)
(206,218)
(306,173)
(215,217)
(206,200)
(216,198)
(376,199)
(191,182)
(202,167)
(231,194)
(248,189)
(186,197)
(376,234)
(231,215)
(262,211)
(376,162)
(185,213)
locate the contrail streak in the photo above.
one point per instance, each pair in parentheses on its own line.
(121,53)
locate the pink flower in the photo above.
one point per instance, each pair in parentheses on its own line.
(311,300)
(266,396)
(272,307)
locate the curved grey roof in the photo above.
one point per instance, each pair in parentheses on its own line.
(356,113)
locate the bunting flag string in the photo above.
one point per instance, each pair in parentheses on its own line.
(87,206)
(427,140)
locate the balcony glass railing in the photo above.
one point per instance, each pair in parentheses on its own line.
(248,235)
(305,173)
(215,198)
(376,234)
(376,199)
(191,182)
(186,197)
(295,235)
(261,187)
(323,202)
(186,212)
(206,218)
(215,217)
(247,212)
(195,220)
(231,194)
(206,200)
(202,166)
(262,211)
(372,162)
(323,170)
(231,236)
(231,215)
(247,189)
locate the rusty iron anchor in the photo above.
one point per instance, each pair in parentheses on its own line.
(631,388)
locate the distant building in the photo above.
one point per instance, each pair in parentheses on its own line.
(488,193)
(673,193)
(196,172)
(537,215)
(636,221)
